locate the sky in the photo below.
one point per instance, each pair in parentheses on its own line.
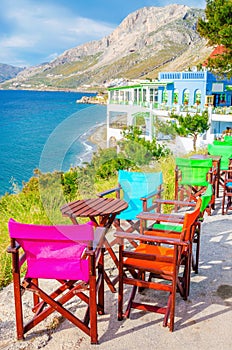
(37,31)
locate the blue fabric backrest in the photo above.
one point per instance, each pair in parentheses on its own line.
(137,184)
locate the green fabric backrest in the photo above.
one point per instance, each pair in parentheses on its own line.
(222,143)
(228,138)
(225,151)
(206,198)
(194,171)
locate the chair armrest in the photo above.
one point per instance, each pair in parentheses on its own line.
(174,218)
(98,242)
(112,190)
(99,237)
(175,202)
(13,249)
(151,194)
(149,238)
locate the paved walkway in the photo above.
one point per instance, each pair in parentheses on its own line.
(203,322)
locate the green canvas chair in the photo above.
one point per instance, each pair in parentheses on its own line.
(228,138)
(222,143)
(225,151)
(192,176)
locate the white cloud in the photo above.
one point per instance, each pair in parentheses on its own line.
(42,29)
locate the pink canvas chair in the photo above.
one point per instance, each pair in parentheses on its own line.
(70,254)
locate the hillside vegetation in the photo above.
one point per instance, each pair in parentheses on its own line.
(40,200)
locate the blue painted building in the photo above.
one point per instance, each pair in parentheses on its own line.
(178,92)
(190,89)
(195,88)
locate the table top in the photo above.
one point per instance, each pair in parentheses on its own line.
(93,207)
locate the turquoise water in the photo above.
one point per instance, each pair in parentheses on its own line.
(45,130)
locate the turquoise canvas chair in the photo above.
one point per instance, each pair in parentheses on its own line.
(138,189)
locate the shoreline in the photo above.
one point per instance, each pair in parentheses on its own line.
(98,137)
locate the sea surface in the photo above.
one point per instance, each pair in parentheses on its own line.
(45,130)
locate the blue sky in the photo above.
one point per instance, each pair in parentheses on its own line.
(37,31)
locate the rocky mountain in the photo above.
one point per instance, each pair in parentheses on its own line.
(8,72)
(147,41)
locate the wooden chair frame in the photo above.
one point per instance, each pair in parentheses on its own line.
(146,258)
(227,192)
(146,204)
(44,303)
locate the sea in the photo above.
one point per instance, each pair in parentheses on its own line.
(44,130)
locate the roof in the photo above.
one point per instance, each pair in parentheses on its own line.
(219,50)
(150,84)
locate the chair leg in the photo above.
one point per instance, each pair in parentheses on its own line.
(166,316)
(223,203)
(101,286)
(93,310)
(18,307)
(17,296)
(195,261)
(132,296)
(120,285)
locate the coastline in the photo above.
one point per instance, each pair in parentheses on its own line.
(92,140)
(98,137)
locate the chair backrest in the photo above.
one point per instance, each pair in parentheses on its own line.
(228,138)
(222,143)
(54,251)
(194,171)
(225,151)
(138,184)
(189,220)
(206,198)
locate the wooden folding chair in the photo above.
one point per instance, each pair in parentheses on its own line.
(225,151)
(192,176)
(227,192)
(170,225)
(138,189)
(161,258)
(69,254)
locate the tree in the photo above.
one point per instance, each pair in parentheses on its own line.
(191,125)
(217,29)
(137,148)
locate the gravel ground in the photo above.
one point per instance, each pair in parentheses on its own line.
(202,322)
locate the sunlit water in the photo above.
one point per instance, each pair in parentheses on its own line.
(45,130)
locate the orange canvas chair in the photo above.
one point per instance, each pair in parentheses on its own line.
(161,258)
(71,255)
(173,227)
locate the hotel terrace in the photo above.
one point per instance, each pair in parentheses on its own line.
(177,92)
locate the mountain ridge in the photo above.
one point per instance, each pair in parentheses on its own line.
(8,71)
(147,40)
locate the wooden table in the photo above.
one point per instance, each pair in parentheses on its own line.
(101,212)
